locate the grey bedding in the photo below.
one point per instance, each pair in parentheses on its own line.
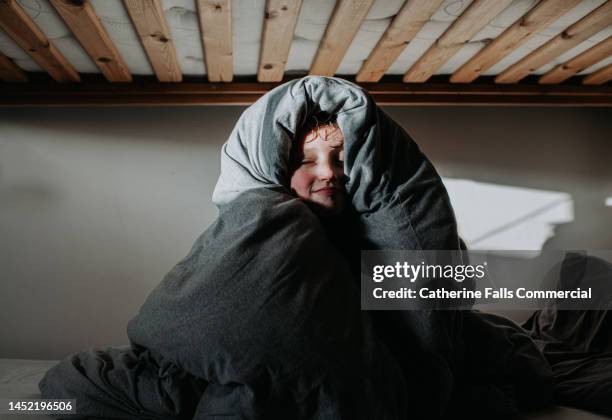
(262,320)
(578,344)
(19,379)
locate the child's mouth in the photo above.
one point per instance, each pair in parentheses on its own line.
(326,191)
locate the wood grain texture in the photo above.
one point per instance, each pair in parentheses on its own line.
(82,20)
(406,24)
(599,77)
(241,93)
(472,20)
(279,26)
(583,29)
(150,23)
(536,19)
(22,29)
(9,71)
(586,59)
(216,28)
(341,29)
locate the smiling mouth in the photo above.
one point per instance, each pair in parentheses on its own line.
(326,191)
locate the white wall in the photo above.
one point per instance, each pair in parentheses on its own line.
(97,204)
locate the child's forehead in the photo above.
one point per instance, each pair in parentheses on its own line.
(328,133)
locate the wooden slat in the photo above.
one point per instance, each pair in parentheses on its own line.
(82,20)
(406,24)
(9,71)
(599,77)
(241,93)
(582,61)
(22,29)
(341,29)
(586,27)
(471,21)
(216,27)
(536,19)
(279,25)
(150,23)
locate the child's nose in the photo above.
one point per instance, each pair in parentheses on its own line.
(326,170)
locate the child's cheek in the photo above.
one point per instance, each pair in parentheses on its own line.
(301,182)
(306,183)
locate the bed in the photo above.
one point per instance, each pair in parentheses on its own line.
(19,379)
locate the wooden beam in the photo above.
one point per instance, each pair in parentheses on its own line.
(599,77)
(82,20)
(279,26)
(150,23)
(22,29)
(240,93)
(472,20)
(9,71)
(341,29)
(582,61)
(406,24)
(216,27)
(586,27)
(536,19)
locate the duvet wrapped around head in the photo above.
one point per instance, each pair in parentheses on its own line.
(392,186)
(266,306)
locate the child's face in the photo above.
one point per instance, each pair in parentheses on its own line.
(318,175)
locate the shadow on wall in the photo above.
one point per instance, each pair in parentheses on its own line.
(554,149)
(541,143)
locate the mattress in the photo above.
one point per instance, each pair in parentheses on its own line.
(19,379)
